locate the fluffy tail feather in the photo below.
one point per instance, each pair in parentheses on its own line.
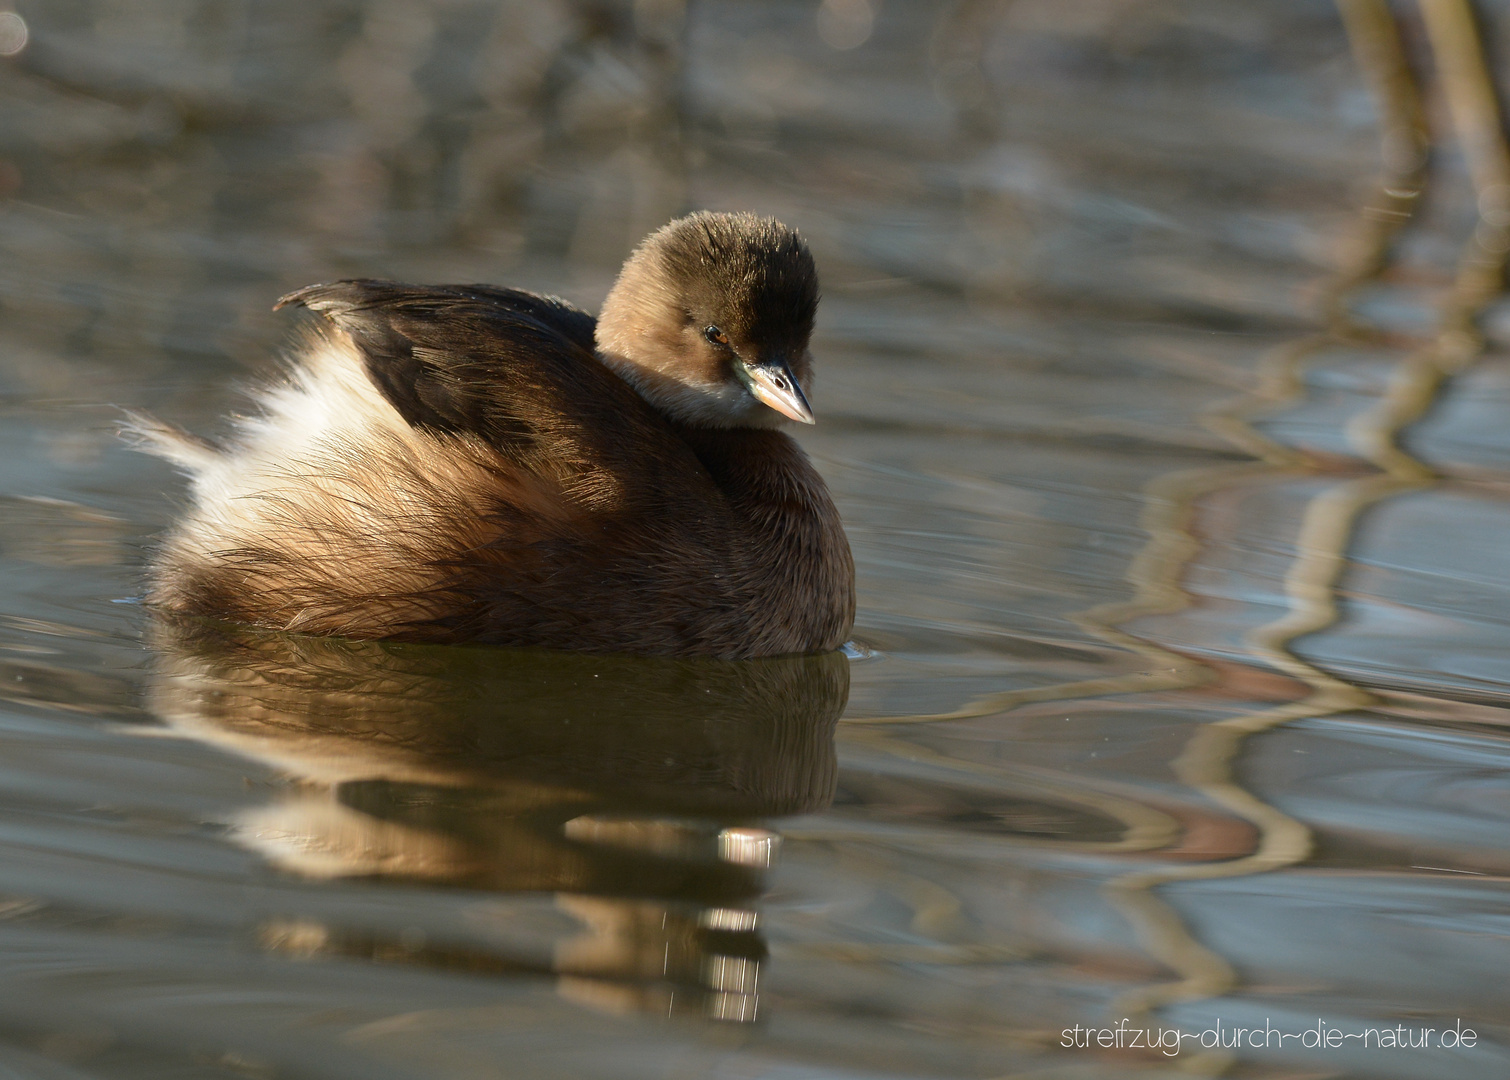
(150,435)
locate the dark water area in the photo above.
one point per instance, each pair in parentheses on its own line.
(1162,384)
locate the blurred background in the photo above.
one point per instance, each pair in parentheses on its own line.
(1161,383)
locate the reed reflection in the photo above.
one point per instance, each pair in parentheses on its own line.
(633,789)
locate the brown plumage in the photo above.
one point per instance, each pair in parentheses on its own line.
(471,463)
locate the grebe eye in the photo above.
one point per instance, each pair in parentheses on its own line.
(715,335)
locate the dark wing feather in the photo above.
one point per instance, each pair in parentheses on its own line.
(571,322)
(501,364)
(517,371)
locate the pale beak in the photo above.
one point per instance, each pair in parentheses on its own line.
(773,384)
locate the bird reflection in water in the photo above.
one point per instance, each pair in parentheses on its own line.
(633,789)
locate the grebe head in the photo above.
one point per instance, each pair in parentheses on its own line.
(710,319)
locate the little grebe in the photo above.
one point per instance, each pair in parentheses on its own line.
(477,464)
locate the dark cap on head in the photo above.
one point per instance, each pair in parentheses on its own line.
(754,275)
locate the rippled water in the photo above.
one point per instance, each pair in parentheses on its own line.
(1180,684)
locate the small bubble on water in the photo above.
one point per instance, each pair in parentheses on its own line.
(845,24)
(13,33)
